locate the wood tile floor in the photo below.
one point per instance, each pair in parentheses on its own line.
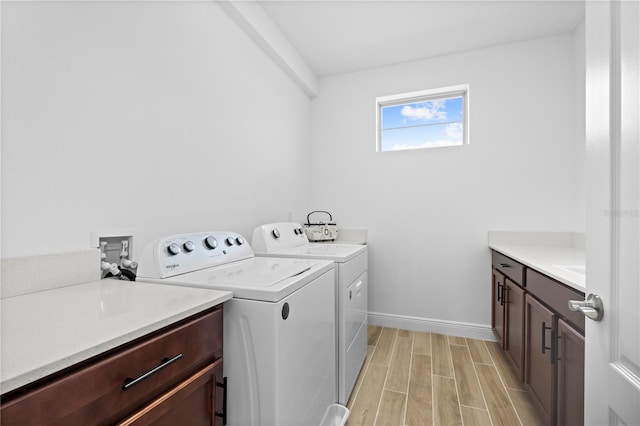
(415,378)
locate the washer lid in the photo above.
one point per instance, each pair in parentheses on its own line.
(258,278)
(336,252)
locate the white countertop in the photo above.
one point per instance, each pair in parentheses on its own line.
(47,331)
(348,236)
(563,262)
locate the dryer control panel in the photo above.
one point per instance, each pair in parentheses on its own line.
(273,237)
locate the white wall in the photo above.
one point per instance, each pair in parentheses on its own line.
(160,117)
(580,82)
(166,117)
(428,211)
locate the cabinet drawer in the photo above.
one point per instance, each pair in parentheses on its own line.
(557,296)
(508,267)
(94,394)
(197,399)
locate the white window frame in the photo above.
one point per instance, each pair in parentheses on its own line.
(461,90)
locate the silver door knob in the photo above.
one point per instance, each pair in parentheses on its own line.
(592,307)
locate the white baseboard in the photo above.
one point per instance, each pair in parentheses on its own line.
(451,328)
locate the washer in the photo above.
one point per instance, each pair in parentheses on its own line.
(279,327)
(288,240)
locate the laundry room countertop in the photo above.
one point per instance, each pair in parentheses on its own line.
(47,331)
(348,236)
(560,256)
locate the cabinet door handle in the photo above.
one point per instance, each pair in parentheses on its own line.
(223,385)
(130,382)
(544,337)
(501,294)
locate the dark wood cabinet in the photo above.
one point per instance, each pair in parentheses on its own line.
(507,308)
(514,326)
(541,337)
(195,399)
(111,386)
(497,306)
(509,267)
(539,370)
(556,296)
(570,360)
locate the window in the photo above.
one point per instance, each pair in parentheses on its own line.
(425,119)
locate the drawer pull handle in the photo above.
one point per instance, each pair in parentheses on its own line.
(130,382)
(223,415)
(505,265)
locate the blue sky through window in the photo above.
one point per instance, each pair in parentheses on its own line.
(424,124)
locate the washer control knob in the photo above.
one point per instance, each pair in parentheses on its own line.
(189,246)
(240,241)
(173,249)
(275,233)
(229,241)
(210,242)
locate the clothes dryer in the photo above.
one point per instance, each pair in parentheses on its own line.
(288,240)
(279,327)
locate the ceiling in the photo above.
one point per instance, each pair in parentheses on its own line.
(340,36)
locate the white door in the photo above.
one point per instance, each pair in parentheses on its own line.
(612,365)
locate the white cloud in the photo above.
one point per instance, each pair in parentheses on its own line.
(428,111)
(454,131)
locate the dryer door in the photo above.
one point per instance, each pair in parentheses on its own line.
(355,307)
(353,344)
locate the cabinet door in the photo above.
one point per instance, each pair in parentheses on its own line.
(570,361)
(539,367)
(197,401)
(514,325)
(497,306)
